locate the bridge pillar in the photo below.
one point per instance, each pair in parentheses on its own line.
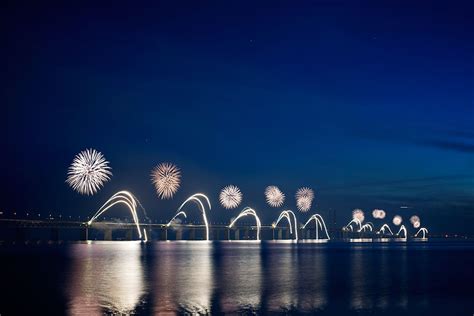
(192,234)
(246,233)
(216,234)
(54,236)
(108,234)
(163,234)
(280,233)
(129,234)
(84,234)
(287,233)
(237,234)
(179,234)
(20,234)
(308,234)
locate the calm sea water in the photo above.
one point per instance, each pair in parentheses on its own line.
(238,277)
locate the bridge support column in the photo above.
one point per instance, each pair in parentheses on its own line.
(192,234)
(163,234)
(215,234)
(308,234)
(246,233)
(237,234)
(84,234)
(280,233)
(108,234)
(179,234)
(20,234)
(129,234)
(54,234)
(287,233)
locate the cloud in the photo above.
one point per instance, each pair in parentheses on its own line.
(463,147)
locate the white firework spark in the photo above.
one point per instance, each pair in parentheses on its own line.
(378,213)
(88,172)
(166,177)
(358,214)
(304,199)
(397,220)
(230,197)
(414,220)
(274,196)
(416,224)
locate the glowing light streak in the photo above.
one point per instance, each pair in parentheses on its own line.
(382,229)
(288,214)
(367,226)
(202,208)
(353,221)
(402,229)
(423,231)
(121,197)
(174,217)
(318,220)
(245,212)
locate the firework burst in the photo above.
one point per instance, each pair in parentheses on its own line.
(88,172)
(378,213)
(415,220)
(358,214)
(397,220)
(230,197)
(166,177)
(274,196)
(304,199)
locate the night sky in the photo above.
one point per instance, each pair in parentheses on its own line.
(371,104)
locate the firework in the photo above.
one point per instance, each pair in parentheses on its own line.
(88,172)
(230,197)
(274,196)
(166,177)
(378,213)
(416,224)
(358,214)
(397,220)
(304,199)
(415,219)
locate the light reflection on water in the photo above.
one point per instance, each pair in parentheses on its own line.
(105,276)
(210,277)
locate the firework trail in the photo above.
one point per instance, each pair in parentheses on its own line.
(245,212)
(274,196)
(304,199)
(230,197)
(166,177)
(88,172)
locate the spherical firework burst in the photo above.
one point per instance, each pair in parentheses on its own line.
(358,214)
(378,213)
(416,224)
(415,219)
(397,220)
(274,196)
(304,199)
(230,197)
(88,172)
(166,177)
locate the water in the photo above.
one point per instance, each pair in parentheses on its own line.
(238,277)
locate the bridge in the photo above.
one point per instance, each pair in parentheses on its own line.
(27,229)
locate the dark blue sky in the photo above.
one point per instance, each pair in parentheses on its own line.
(369,103)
